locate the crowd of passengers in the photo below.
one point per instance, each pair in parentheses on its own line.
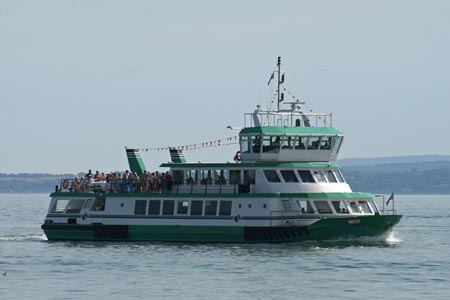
(127,182)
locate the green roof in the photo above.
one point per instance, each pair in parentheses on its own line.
(281,130)
(297,165)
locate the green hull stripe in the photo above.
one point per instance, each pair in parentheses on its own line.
(325,229)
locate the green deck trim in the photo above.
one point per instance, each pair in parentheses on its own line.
(281,130)
(297,165)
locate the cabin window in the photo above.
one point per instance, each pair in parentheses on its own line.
(323,207)
(210,208)
(182,207)
(313,143)
(192,177)
(364,207)
(325,143)
(330,176)
(306,176)
(354,207)
(249,176)
(340,207)
(154,207)
(206,177)
(220,177)
(196,208)
(289,176)
(305,207)
(320,176)
(272,176)
(225,208)
(75,206)
(168,206)
(245,144)
(337,144)
(271,144)
(99,204)
(140,206)
(60,205)
(256,143)
(339,176)
(235,176)
(178,176)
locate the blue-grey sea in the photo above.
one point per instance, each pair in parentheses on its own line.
(412,263)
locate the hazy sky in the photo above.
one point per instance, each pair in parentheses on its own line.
(79,80)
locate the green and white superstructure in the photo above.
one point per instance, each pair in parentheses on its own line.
(284,186)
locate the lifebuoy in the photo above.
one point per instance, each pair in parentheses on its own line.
(237,156)
(65,183)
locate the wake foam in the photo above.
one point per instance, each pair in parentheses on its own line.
(23,238)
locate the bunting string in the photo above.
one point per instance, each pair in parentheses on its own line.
(197,146)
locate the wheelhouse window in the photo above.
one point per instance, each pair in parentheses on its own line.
(313,143)
(168,207)
(330,176)
(305,207)
(300,142)
(210,208)
(177,176)
(140,206)
(225,208)
(245,144)
(154,207)
(289,176)
(256,143)
(287,143)
(323,207)
(306,176)
(60,205)
(192,177)
(221,177)
(182,207)
(325,143)
(75,206)
(271,144)
(196,208)
(340,207)
(339,176)
(206,177)
(336,144)
(320,176)
(272,176)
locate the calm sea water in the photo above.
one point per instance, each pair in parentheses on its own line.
(412,263)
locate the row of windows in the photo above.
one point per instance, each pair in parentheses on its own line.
(340,207)
(306,176)
(273,144)
(218,177)
(182,207)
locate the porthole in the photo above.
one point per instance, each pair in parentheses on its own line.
(240,205)
(249,206)
(265,205)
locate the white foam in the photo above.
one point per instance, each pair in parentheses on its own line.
(23,238)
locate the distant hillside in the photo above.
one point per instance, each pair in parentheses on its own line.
(428,174)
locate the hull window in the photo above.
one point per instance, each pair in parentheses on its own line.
(305,207)
(182,207)
(364,207)
(168,207)
(225,208)
(306,176)
(99,204)
(330,176)
(154,207)
(323,207)
(140,206)
(340,207)
(210,208)
(289,176)
(196,208)
(272,176)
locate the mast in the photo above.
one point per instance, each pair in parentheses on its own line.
(279,83)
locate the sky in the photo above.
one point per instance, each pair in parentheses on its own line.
(80,80)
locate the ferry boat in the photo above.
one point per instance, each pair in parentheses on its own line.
(283,186)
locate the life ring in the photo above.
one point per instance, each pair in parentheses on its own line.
(237,156)
(65,184)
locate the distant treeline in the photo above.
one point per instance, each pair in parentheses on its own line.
(402,179)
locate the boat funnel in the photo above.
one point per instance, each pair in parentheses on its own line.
(177,156)
(135,161)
